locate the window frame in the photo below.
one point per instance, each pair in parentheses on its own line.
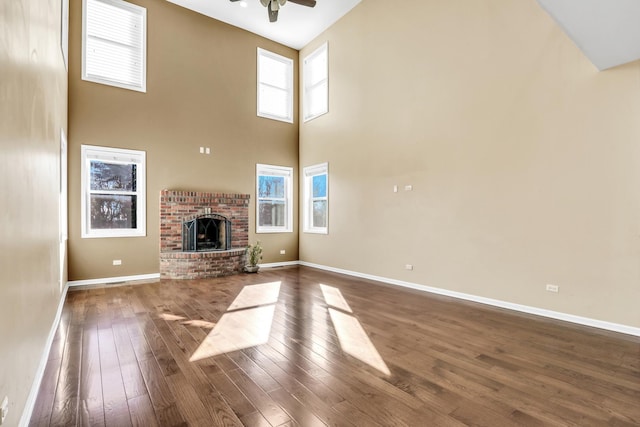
(287,173)
(133,9)
(309,173)
(113,155)
(289,89)
(308,87)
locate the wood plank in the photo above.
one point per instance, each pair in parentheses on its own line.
(65,406)
(189,403)
(297,411)
(116,408)
(262,401)
(237,401)
(161,396)
(142,412)
(91,400)
(255,419)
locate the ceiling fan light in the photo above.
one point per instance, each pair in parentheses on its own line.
(265,3)
(282,2)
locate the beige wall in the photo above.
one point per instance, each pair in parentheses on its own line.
(33,110)
(524,159)
(201,91)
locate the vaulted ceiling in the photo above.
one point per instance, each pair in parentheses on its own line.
(296,25)
(607,31)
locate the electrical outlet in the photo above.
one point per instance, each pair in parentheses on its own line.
(117,262)
(553,288)
(201,150)
(395,188)
(4,409)
(408,267)
(207,150)
(282,251)
(408,187)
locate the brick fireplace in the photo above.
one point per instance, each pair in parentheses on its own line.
(178,208)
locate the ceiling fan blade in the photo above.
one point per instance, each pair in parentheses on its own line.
(234,0)
(273,14)
(308,3)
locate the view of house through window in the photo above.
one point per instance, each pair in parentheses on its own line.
(316,198)
(110,209)
(274,208)
(113,182)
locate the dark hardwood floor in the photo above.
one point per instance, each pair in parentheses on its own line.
(290,352)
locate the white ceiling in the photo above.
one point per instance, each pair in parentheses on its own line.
(607,31)
(296,26)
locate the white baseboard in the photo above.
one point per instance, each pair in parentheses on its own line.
(279,264)
(37,381)
(119,279)
(615,327)
(610,326)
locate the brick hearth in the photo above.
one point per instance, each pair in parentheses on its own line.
(178,206)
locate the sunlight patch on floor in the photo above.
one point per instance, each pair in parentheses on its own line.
(236,331)
(255,295)
(247,322)
(354,340)
(334,298)
(200,324)
(170,317)
(352,336)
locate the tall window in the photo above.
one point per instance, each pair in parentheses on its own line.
(114,44)
(316,83)
(113,192)
(274,209)
(275,86)
(316,199)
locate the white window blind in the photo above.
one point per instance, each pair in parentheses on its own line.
(114,44)
(316,83)
(275,86)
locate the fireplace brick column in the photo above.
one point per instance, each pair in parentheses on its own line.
(178,206)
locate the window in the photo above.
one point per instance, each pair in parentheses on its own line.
(113,192)
(316,199)
(316,83)
(274,209)
(114,44)
(275,86)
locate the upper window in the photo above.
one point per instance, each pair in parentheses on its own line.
(316,83)
(316,199)
(275,86)
(114,44)
(113,192)
(274,209)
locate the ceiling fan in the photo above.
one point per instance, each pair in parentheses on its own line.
(273,6)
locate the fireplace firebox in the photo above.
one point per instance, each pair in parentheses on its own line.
(209,232)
